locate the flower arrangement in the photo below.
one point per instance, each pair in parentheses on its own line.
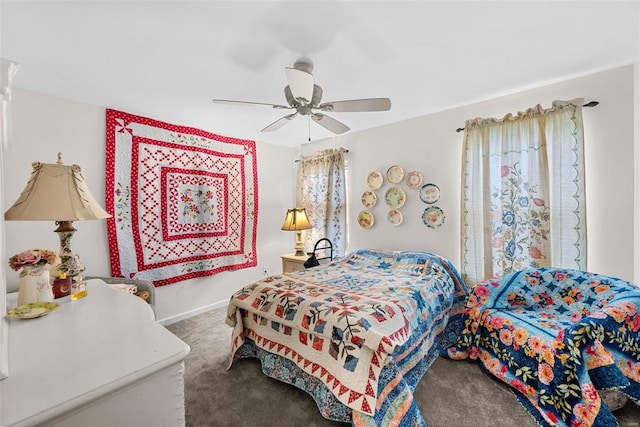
(33,257)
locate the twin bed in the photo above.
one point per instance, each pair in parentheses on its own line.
(357,333)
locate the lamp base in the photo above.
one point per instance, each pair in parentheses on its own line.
(70,264)
(299,245)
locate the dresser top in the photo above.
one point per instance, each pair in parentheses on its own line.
(81,351)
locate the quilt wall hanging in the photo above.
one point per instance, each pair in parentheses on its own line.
(184,201)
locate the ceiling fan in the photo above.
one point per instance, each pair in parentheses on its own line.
(304,96)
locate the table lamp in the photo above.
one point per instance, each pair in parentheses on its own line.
(296,220)
(57,192)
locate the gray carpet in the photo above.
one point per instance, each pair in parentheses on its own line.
(452,393)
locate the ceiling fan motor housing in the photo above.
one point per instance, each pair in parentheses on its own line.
(304,64)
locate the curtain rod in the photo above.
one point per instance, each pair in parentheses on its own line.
(345,152)
(588,104)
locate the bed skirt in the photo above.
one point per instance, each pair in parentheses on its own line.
(331,408)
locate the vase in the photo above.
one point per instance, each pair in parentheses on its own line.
(35,285)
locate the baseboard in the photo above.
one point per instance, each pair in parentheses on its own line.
(178,317)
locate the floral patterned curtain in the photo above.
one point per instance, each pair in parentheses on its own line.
(523,202)
(322,191)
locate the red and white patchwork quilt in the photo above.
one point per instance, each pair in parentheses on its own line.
(184,201)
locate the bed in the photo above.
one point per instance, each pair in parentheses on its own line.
(357,333)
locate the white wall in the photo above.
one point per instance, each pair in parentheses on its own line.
(430,145)
(44,125)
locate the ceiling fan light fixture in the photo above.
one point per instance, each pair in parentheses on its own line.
(317,96)
(300,83)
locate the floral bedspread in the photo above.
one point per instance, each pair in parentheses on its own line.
(346,321)
(556,336)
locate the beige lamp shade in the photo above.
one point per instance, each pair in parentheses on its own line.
(55,192)
(296,219)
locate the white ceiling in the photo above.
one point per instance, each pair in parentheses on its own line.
(168,59)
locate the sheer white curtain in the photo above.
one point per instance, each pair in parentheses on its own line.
(322,191)
(523,199)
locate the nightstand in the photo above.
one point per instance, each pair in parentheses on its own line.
(293,262)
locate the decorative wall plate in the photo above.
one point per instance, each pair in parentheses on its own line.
(365,219)
(395,197)
(433,217)
(394,217)
(395,174)
(369,199)
(33,310)
(414,179)
(374,180)
(429,193)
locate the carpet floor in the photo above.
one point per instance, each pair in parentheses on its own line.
(452,393)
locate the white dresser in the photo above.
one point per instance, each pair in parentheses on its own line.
(100,361)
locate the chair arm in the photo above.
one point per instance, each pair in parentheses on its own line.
(142,285)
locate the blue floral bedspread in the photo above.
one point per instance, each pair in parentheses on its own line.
(556,336)
(364,328)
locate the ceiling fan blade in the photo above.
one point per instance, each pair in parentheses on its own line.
(355,105)
(279,123)
(227,101)
(301,83)
(329,123)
